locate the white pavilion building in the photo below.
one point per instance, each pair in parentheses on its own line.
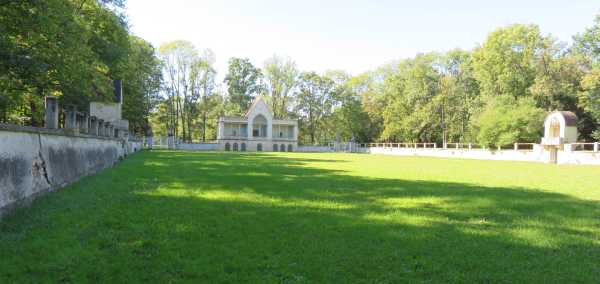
(258,131)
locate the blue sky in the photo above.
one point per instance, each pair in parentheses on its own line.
(352,35)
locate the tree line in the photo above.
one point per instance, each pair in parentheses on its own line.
(495,94)
(73,49)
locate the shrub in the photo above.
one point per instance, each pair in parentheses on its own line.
(506,120)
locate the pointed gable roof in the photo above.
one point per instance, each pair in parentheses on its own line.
(258,100)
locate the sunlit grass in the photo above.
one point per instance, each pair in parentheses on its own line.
(290,217)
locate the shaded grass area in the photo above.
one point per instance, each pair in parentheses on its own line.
(297,218)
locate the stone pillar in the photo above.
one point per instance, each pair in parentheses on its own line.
(71,119)
(105,126)
(516,147)
(111,130)
(93,126)
(171,140)
(100,127)
(295,130)
(85,123)
(596,147)
(52,112)
(221,129)
(78,121)
(149,142)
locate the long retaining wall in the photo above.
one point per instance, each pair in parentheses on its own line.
(197,146)
(37,160)
(535,155)
(501,155)
(310,148)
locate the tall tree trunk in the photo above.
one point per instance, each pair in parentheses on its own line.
(183,119)
(204,127)
(443,125)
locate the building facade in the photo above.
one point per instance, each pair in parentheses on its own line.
(257,131)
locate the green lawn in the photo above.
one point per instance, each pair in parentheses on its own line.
(297,218)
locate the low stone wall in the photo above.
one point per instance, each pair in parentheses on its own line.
(37,160)
(535,155)
(578,158)
(309,148)
(198,146)
(501,155)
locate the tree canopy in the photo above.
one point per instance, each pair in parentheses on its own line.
(494,94)
(73,50)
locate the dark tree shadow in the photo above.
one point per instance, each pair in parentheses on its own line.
(230,217)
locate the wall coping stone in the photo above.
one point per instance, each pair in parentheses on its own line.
(57,132)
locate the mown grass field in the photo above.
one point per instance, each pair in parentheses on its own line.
(311,218)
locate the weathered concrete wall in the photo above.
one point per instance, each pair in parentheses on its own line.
(535,155)
(578,158)
(505,155)
(34,161)
(198,146)
(309,148)
(106,111)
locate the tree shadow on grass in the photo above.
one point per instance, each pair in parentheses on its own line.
(263,218)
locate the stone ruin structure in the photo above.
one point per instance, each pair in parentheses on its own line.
(104,118)
(35,160)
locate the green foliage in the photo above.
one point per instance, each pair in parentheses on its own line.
(503,65)
(314,103)
(243,82)
(590,96)
(413,111)
(587,43)
(142,79)
(189,87)
(557,81)
(74,49)
(71,49)
(350,121)
(281,76)
(507,120)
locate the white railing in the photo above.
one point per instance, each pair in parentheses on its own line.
(459,146)
(402,145)
(450,146)
(524,146)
